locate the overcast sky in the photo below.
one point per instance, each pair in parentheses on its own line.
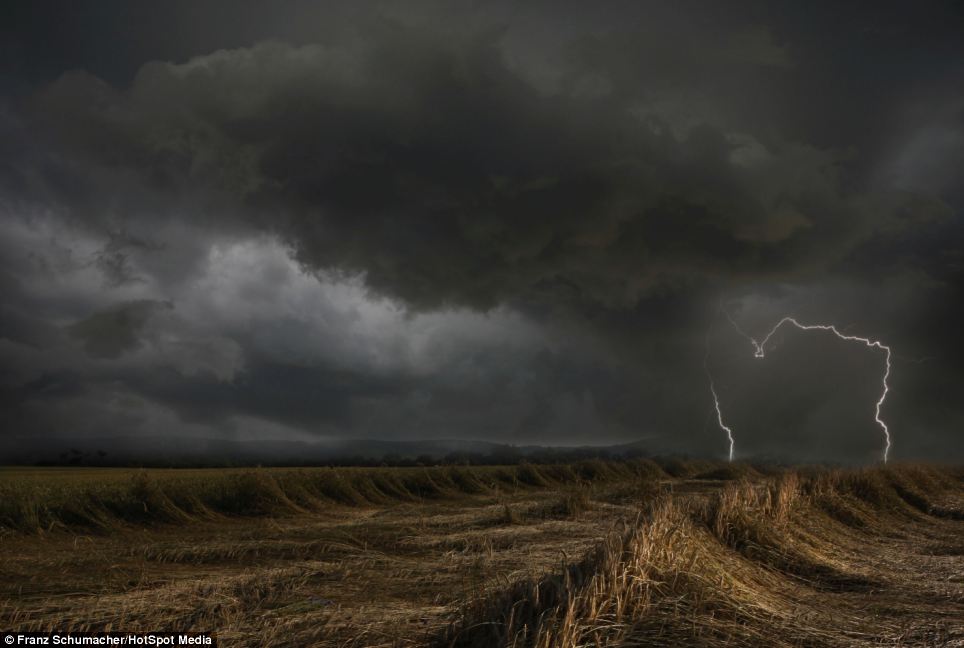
(508,222)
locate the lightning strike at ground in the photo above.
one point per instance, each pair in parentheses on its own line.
(760,352)
(716,398)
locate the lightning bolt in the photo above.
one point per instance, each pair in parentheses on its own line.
(760,352)
(716,398)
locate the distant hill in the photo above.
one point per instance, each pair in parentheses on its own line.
(191,451)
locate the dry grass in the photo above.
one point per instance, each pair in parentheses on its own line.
(38,500)
(759,563)
(590,554)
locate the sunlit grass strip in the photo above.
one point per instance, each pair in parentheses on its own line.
(42,500)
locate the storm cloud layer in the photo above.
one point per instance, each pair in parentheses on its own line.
(482,221)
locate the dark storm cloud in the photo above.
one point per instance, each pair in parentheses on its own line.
(110,333)
(442,175)
(597,176)
(290,394)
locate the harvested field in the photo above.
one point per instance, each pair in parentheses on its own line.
(596,553)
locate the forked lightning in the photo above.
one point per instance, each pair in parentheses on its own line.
(760,352)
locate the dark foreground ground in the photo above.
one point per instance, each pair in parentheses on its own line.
(615,554)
